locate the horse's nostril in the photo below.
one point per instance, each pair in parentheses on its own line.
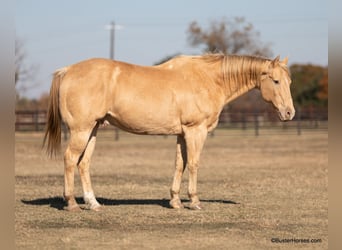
(288,113)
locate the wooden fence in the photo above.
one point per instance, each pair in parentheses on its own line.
(28,120)
(36,120)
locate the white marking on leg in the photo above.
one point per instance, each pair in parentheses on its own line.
(89,199)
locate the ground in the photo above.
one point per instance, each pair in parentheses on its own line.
(256,192)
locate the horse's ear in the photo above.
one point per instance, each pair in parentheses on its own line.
(285,60)
(275,61)
(277,58)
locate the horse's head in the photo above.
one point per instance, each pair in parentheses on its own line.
(275,88)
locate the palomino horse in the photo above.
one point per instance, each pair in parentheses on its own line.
(182,97)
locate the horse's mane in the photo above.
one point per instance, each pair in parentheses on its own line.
(240,70)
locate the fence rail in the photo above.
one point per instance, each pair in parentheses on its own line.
(28,120)
(36,121)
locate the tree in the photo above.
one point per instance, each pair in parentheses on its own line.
(166,58)
(20,71)
(229,37)
(23,73)
(309,85)
(24,103)
(323,86)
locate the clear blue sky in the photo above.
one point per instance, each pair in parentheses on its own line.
(59,33)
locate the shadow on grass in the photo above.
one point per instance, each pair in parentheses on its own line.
(59,203)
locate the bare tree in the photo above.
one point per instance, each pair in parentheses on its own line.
(24,74)
(229,37)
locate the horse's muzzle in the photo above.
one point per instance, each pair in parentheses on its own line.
(286,114)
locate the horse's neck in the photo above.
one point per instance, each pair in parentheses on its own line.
(232,94)
(231,84)
(240,74)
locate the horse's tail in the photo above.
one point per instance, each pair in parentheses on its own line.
(54,121)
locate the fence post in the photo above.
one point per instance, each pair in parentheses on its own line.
(35,120)
(116,134)
(256,123)
(299,126)
(243,120)
(65,131)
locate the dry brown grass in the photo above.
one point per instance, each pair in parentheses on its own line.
(252,189)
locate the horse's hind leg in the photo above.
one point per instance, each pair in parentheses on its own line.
(83,167)
(74,156)
(77,144)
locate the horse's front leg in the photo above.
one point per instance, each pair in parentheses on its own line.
(195,138)
(175,201)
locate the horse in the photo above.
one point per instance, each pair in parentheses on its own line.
(183,96)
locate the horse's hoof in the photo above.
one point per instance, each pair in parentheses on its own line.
(72,208)
(176,204)
(97,208)
(196,206)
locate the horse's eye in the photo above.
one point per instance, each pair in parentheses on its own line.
(276,81)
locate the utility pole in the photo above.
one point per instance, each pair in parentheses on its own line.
(112,37)
(111,56)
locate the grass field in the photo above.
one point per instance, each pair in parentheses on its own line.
(256,192)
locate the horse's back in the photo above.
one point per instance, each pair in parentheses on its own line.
(131,94)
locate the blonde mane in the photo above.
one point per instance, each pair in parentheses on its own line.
(239,70)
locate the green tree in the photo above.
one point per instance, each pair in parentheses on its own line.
(309,85)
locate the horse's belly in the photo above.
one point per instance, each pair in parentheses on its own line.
(145,122)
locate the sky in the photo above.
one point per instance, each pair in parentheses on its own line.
(59,33)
